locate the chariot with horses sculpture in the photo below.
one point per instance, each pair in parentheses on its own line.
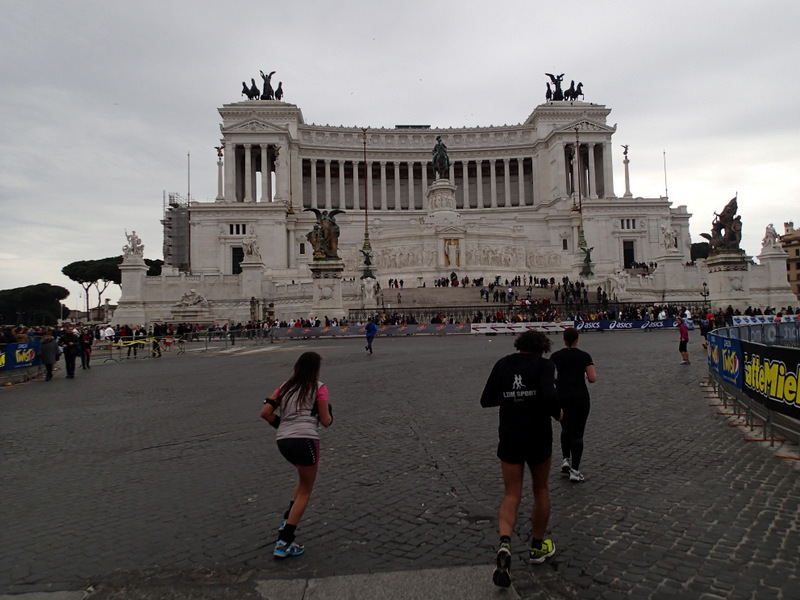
(558,95)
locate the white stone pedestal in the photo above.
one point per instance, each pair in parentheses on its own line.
(770,287)
(728,279)
(670,276)
(250,278)
(441,195)
(327,289)
(130,310)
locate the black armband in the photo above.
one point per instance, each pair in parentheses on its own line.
(276,423)
(272,403)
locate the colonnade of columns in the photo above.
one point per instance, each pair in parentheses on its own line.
(328,184)
(585,170)
(481,183)
(243,164)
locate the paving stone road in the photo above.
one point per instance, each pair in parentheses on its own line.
(159,472)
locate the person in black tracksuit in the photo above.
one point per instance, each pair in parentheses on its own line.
(522,385)
(69,343)
(574,368)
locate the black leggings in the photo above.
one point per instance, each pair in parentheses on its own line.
(572,426)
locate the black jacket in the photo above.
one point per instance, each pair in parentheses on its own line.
(522,385)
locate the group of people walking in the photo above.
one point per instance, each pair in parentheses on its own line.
(72,344)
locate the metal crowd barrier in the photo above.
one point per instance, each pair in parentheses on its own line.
(785,333)
(755,370)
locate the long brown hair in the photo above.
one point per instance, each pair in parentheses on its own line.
(303,380)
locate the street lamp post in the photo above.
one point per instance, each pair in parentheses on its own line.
(366,249)
(581,237)
(705,294)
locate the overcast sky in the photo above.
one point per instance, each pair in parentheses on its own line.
(101,102)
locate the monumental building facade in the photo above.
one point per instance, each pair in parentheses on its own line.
(525,197)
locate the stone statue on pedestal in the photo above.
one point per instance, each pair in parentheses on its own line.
(267,93)
(134,247)
(770,237)
(669,237)
(586,270)
(441,161)
(324,238)
(250,246)
(726,230)
(558,94)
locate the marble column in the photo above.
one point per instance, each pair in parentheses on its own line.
(411,203)
(397,186)
(493,182)
(295,179)
(383,185)
(561,171)
(342,202)
(220,192)
(265,195)
(327,183)
(465,181)
(507,182)
(356,186)
(281,191)
(592,176)
(313,162)
(229,150)
(479,182)
(248,173)
(521,180)
(369,198)
(608,172)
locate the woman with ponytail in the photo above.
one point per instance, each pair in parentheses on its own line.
(296,409)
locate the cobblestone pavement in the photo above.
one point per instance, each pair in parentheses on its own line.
(161,471)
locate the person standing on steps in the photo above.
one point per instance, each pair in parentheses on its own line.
(303,405)
(574,368)
(370,331)
(522,385)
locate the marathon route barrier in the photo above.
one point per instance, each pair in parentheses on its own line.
(769,375)
(20,355)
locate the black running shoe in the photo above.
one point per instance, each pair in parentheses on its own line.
(501,576)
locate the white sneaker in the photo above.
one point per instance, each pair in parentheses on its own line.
(566,467)
(575,475)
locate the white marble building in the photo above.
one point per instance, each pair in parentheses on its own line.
(520,198)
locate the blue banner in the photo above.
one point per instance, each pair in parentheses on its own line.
(20,355)
(725,359)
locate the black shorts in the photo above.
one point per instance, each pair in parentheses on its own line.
(531,451)
(301,452)
(682,346)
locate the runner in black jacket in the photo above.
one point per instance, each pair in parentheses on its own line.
(522,385)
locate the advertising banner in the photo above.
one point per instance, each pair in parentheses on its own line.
(20,355)
(543,326)
(761,319)
(771,376)
(608,325)
(725,358)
